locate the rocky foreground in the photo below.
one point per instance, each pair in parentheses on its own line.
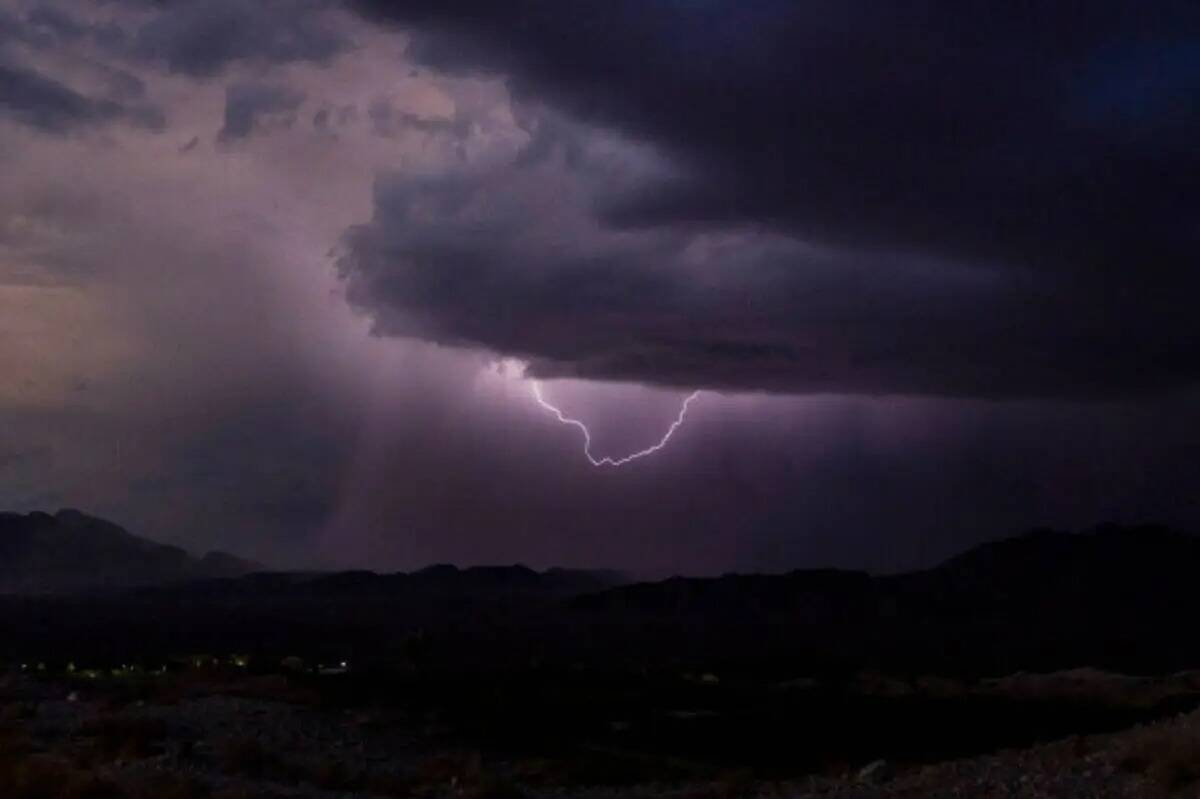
(1162,759)
(56,742)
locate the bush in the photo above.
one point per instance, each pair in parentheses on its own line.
(332,775)
(125,737)
(167,786)
(247,757)
(1168,755)
(463,774)
(41,777)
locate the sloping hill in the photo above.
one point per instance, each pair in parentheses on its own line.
(1120,597)
(71,551)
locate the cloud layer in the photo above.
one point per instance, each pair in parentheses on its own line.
(207,207)
(1035,169)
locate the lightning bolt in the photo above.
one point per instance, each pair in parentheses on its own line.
(587,434)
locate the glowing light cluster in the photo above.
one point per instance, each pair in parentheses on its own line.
(587,434)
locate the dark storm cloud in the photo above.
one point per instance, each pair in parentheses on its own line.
(1047,143)
(44,25)
(201,37)
(247,103)
(194,37)
(15,28)
(930,125)
(479,260)
(55,23)
(41,102)
(124,84)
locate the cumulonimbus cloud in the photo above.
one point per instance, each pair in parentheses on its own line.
(515,257)
(923,204)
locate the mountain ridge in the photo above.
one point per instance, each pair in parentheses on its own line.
(70,551)
(1119,598)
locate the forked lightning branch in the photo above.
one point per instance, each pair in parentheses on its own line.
(587,434)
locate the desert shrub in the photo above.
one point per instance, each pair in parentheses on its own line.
(491,786)
(125,737)
(247,757)
(13,742)
(391,785)
(612,768)
(167,786)
(90,786)
(246,793)
(464,775)
(730,785)
(449,769)
(42,777)
(1168,755)
(332,775)
(18,711)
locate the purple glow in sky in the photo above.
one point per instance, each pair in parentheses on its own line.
(263,266)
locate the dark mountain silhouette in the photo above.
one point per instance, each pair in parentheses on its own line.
(1115,596)
(1119,598)
(71,551)
(1110,565)
(413,593)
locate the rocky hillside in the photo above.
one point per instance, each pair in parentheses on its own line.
(70,551)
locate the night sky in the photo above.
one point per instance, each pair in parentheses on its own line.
(279,277)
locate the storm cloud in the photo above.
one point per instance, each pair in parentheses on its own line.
(44,103)
(1048,156)
(247,103)
(276,277)
(200,38)
(31,96)
(512,258)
